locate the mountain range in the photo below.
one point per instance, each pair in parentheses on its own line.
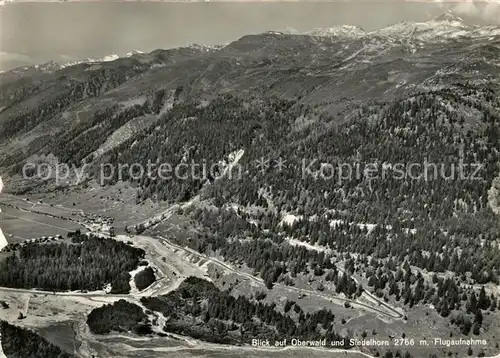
(328,68)
(275,114)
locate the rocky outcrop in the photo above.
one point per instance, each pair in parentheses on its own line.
(494,196)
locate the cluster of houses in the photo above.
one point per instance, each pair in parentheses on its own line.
(100,223)
(39,240)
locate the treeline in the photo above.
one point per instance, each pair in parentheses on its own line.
(19,342)
(87,263)
(121,316)
(200,310)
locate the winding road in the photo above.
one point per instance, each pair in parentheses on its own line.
(387,311)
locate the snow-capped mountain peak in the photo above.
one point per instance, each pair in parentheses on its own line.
(348,31)
(449,16)
(133,52)
(444,27)
(107,58)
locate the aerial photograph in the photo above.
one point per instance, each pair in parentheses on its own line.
(262,179)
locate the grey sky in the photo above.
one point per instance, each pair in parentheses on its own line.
(37,33)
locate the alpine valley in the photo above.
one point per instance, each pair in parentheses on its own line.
(352,210)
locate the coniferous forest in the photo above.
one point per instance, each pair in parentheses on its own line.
(86,263)
(121,316)
(357,167)
(20,342)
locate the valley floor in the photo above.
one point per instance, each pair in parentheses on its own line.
(45,311)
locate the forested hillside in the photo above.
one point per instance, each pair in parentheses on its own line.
(360,166)
(382,226)
(223,318)
(219,317)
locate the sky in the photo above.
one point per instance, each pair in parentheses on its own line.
(39,32)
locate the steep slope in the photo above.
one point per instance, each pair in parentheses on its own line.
(335,163)
(50,108)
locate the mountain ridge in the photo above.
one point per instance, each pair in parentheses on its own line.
(445,27)
(309,173)
(331,73)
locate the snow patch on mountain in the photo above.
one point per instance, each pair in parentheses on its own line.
(114,57)
(290,219)
(206,48)
(435,30)
(232,160)
(447,26)
(345,31)
(107,58)
(134,52)
(449,16)
(3,240)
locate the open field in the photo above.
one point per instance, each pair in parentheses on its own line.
(117,201)
(47,215)
(19,225)
(62,334)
